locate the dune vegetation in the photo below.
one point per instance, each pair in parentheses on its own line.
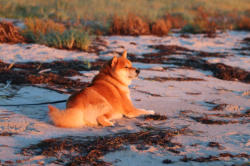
(69,24)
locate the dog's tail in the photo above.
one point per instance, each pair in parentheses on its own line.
(70,118)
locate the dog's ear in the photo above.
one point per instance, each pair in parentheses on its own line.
(114,61)
(124,54)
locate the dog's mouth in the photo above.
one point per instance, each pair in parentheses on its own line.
(133,76)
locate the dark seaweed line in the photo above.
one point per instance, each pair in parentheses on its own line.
(90,149)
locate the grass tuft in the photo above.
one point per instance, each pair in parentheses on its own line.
(135,25)
(55,35)
(9,33)
(69,39)
(243,23)
(204,22)
(35,28)
(113,17)
(161,27)
(131,25)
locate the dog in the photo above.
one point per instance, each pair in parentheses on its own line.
(105,99)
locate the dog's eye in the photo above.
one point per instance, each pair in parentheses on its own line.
(126,67)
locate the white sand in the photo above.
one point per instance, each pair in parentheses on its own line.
(32,125)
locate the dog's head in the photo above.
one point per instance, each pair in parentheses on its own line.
(121,69)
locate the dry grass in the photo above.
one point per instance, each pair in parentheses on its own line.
(135,25)
(116,26)
(177,21)
(55,34)
(39,26)
(149,11)
(114,17)
(204,22)
(243,23)
(9,33)
(208,22)
(69,39)
(131,25)
(161,27)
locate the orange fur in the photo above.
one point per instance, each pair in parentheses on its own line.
(107,98)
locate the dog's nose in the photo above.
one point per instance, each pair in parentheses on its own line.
(137,71)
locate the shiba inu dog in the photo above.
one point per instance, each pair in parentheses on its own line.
(107,98)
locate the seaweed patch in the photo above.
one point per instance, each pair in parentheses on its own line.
(89,150)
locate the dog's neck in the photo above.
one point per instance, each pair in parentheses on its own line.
(112,80)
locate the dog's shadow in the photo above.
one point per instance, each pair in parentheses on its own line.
(32,95)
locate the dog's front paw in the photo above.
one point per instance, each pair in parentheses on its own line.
(139,112)
(107,124)
(102,120)
(150,112)
(147,112)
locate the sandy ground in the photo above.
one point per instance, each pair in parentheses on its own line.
(215,111)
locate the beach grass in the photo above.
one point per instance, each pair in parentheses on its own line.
(55,34)
(100,14)
(102,10)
